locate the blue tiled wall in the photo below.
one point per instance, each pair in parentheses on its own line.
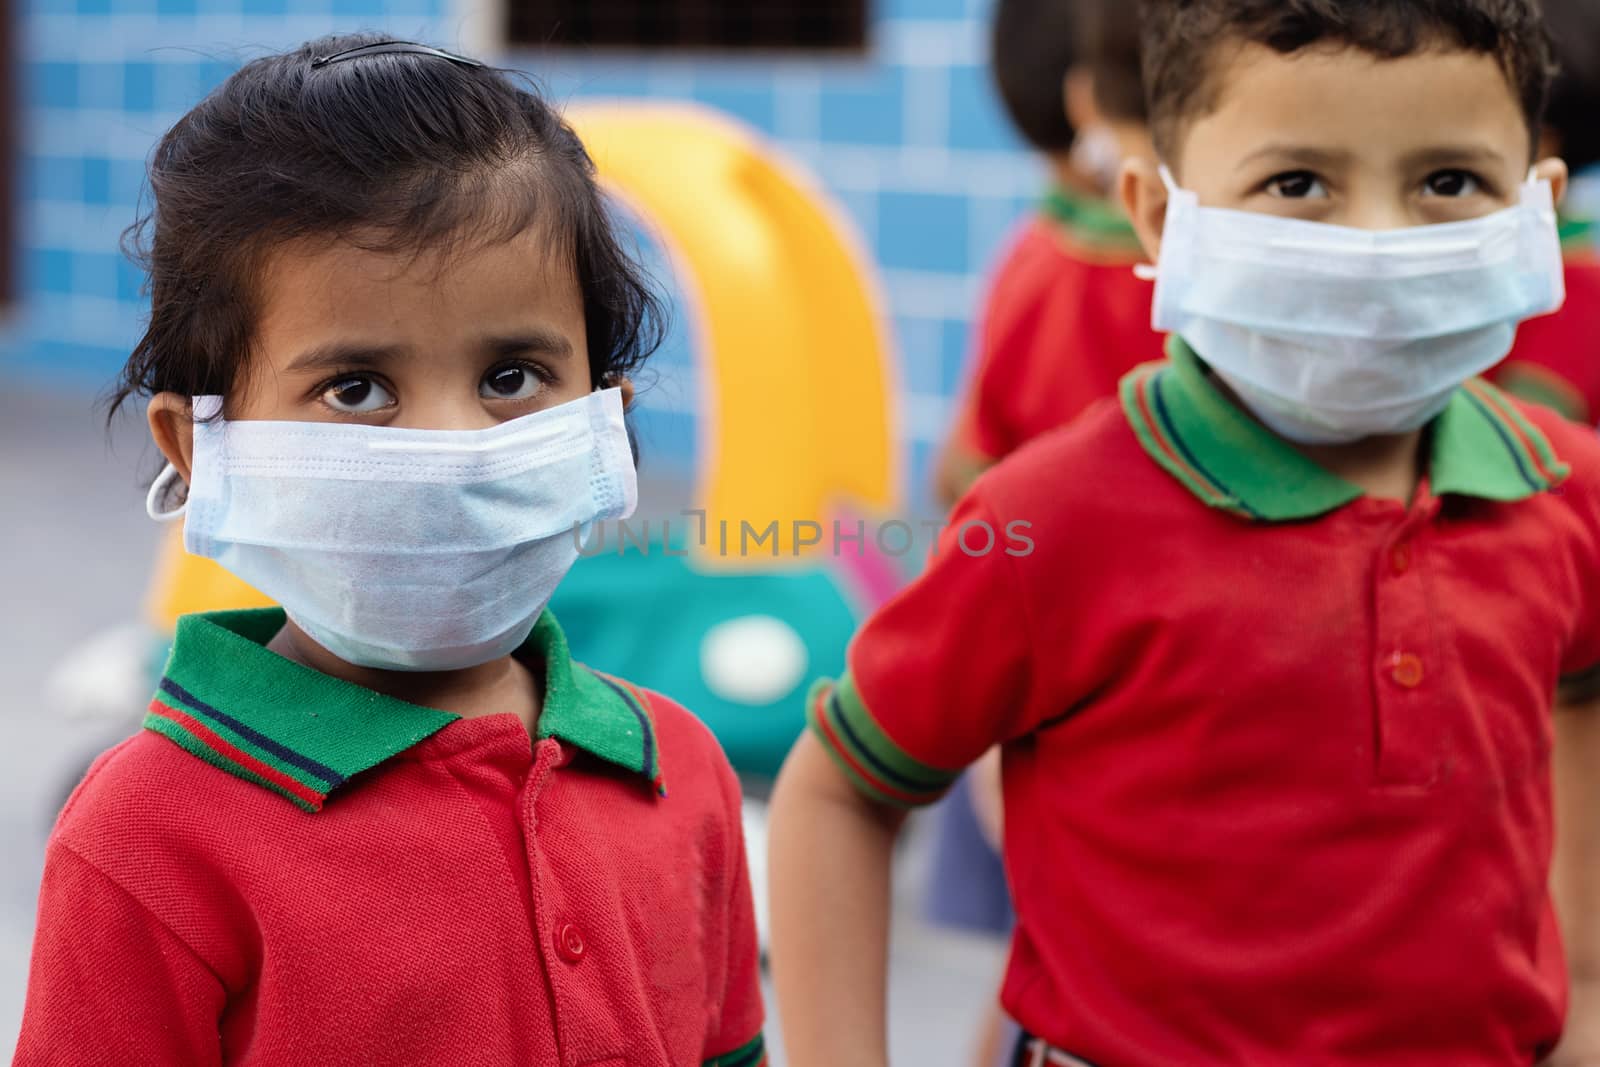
(908,139)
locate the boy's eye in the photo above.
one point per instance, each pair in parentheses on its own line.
(1298,185)
(357,395)
(514,381)
(1451,183)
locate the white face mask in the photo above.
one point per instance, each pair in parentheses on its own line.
(406,549)
(1332,333)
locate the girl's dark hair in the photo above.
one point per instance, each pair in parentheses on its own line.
(1032,45)
(1109,33)
(1575,97)
(392,152)
(1183,44)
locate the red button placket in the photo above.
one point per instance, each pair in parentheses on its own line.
(554,939)
(1406,653)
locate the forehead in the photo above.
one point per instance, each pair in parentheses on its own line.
(1358,101)
(331,285)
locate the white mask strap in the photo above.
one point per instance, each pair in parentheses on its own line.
(1147,271)
(160,490)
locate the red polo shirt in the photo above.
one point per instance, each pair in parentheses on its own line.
(1556,360)
(1276,754)
(465,895)
(1064,320)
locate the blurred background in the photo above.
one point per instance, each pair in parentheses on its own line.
(882,111)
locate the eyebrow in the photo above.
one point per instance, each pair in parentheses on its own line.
(1441,155)
(346,355)
(1307,155)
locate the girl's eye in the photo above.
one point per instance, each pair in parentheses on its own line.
(357,395)
(515,381)
(1452,183)
(1297,185)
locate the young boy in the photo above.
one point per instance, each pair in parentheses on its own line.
(1065,316)
(1276,704)
(1556,360)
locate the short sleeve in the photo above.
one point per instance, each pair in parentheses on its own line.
(109,983)
(1580,661)
(735,1038)
(941,673)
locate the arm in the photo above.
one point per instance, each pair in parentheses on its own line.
(735,1038)
(1575,880)
(988,802)
(830,849)
(941,673)
(109,983)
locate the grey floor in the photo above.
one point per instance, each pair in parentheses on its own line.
(75,548)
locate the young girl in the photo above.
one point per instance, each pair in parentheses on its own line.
(392,822)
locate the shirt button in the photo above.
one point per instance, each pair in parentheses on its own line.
(569,943)
(1406,670)
(1400,558)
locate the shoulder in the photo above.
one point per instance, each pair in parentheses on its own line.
(1583,275)
(147,811)
(1092,462)
(692,759)
(1034,265)
(1573,443)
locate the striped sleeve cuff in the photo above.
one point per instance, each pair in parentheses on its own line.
(753,1053)
(872,762)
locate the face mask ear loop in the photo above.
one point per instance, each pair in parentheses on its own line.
(159,491)
(1146,272)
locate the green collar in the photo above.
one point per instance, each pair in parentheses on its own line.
(1090,222)
(1481,446)
(1578,232)
(233,703)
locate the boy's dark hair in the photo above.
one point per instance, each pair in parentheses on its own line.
(1183,39)
(1032,45)
(1574,112)
(1109,45)
(392,152)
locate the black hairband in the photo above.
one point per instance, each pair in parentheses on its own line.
(394,46)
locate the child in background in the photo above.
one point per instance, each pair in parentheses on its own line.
(1065,317)
(1309,621)
(1556,360)
(392,822)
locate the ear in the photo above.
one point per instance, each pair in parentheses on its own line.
(1077,96)
(1555,172)
(1144,200)
(626,385)
(172,427)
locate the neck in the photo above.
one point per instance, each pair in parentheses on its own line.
(1067,174)
(1386,467)
(501,685)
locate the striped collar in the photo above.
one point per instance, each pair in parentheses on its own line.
(227,699)
(1480,446)
(1092,225)
(1578,234)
